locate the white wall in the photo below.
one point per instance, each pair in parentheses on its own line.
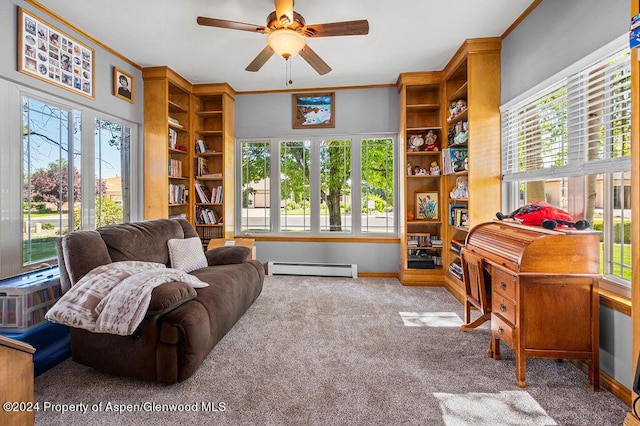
(555,35)
(372,110)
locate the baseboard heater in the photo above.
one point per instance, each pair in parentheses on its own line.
(317,269)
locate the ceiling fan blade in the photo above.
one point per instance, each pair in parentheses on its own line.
(284,8)
(360,27)
(221,23)
(261,59)
(314,60)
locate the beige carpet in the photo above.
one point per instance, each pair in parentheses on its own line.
(332,351)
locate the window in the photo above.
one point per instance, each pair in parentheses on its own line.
(112,149)
(318,184)
(50,176)
(570,145)
(74,172)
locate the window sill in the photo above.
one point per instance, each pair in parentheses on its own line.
(322,239)
(615,296)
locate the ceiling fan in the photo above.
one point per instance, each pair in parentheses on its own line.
(287,31)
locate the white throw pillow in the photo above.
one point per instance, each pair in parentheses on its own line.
(186,254)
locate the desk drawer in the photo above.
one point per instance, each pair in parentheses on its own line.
(506,308)
(504,283)
(500,329)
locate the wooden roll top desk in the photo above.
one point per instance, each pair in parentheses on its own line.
(544,292)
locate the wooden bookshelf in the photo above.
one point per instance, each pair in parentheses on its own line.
(420,113)
(473,74)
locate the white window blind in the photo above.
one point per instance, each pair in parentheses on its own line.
(580,125)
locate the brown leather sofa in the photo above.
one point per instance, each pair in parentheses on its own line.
(182,324)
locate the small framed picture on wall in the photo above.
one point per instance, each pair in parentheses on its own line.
(314,110)
(123,85)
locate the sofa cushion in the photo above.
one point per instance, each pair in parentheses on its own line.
(227,255)
(169,296)
(146,241)
(186,254)
(82,252)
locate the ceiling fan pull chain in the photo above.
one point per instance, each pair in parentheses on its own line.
(287,65)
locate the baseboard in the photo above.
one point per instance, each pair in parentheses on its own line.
(378,274)
(609,383)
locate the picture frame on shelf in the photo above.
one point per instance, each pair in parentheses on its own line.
(313,110)
(123,85)
(427,205)
(50,55)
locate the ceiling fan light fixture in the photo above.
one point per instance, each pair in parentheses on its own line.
(285,42)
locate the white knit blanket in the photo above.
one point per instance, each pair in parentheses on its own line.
(114,298)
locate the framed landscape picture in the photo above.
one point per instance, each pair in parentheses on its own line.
(427,206)
(46,53)
(314,110)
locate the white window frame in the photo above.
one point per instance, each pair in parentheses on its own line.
(576,165)
(356,184)
(11,194)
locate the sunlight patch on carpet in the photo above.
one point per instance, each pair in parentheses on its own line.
(504,408)
(431,319)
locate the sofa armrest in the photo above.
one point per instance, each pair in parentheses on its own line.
(169,296)
(227,255)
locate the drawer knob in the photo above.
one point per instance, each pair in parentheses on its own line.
(503,285)
(500,330)
(503,308)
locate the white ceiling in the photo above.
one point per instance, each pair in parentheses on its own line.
(404,36)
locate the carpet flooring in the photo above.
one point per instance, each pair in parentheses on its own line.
(333,351)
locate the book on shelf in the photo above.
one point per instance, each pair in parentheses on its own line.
(458,215)
(173,138)
(418,240)
(457,246)
(202,147)
(175,168)
(201,166)
(455,268)
(204,193)
(178,216)
(174,121)
(436,242)
(454,160)
(178,194)
(206,216)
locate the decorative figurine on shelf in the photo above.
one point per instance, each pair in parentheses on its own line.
(409,169)
(410,216)
(431,141)
(456,108)
(465,163)
(415,142)
(416,170)
(461,188)
(461,132)
(434,169)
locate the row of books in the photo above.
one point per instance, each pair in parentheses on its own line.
(208,195)
(454,160)
(173,138)
(175,168)
(423,240)
(207,216)
(178,194)
(458,216)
